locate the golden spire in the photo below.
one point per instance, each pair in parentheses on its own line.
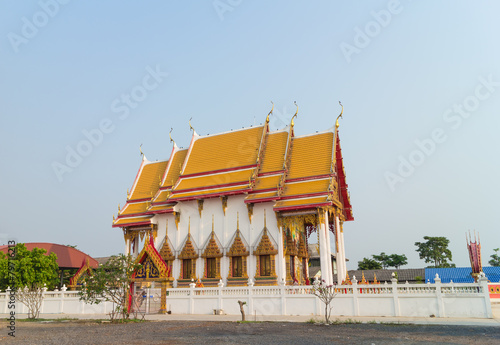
(189,226)
(265,218)
(212,224)
(341,112)
(118,208)
(113,218)
(237,220)
(267,118)
(170,135)
(128,193)
(296,112)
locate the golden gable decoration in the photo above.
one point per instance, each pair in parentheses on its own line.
(238,248)
(302,252)
(166,252)
(212,249)
(266,246)
(189,251)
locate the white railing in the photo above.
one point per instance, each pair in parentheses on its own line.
(393,299)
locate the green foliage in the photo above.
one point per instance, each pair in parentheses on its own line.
(29,268)
(435,250)
(495,258)
(369,264)
(393,260)
(397,261)
(111,282)
(383,259)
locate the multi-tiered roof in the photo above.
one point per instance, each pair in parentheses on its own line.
(292,172)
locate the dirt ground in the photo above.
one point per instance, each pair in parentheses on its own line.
(191,332)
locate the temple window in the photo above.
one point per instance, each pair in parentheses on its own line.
(211,267)
(237,266)
(212,255)
(265,265)
(186,269)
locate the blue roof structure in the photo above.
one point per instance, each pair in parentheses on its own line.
(460,274)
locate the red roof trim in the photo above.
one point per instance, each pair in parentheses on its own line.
(256,201)
(300,196)
(339,167)
(134,201)
(256,191)
(219,171)
(128,224)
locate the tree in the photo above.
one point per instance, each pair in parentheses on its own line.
(397,261)
(28,273)
(369,264)
(28,268)
(383,259)
(495,258)
(435,250)
(326,294)
(111,283)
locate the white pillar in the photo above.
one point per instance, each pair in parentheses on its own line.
(127,246)
(281,256)
(323,251)
(341,265)
(328,249)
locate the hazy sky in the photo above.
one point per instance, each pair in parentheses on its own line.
(419,80)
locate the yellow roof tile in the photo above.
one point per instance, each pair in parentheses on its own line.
(261,195)
(215,180)
(175,168)
(274,153)
(267,182)
(130,221)
(301,202)
(149,180)
(306,187)
(224,151)
(311,155)
(161,208)
(206,192)
(162,196)
(135,208)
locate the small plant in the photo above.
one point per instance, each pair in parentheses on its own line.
(326,293)
(312,321)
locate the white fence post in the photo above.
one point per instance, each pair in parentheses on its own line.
(355,296)
(439,297)
(483,283)
(395,296)
(191,297)
(282,293)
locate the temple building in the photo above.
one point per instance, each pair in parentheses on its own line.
(239,208)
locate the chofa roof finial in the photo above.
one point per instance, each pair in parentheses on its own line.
(296,112)
(340,115)
(267,118)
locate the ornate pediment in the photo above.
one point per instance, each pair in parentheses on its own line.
(267,245)
(166,252)
(239,247)
(212,248)
(189,251)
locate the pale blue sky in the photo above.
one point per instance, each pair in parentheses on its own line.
(399,85)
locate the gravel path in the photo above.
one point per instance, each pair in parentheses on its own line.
(201,332)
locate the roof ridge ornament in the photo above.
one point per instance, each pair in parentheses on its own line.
(267,118)
(170,135)
(340,116)
(296,112)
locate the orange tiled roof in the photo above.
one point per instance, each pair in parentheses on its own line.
(161,209)
(149,180)
(174,170)
(134,208)
(259,196)
(302,203)
(131,221)
(274,153)
(224,151)
(306,187)
(311,155)
(208,192)
(221,179)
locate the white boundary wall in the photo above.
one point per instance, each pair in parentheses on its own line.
(409,300)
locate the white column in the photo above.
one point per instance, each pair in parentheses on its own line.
(323,251)
(328,249)
(341,265)
(281,257)
(127,246)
